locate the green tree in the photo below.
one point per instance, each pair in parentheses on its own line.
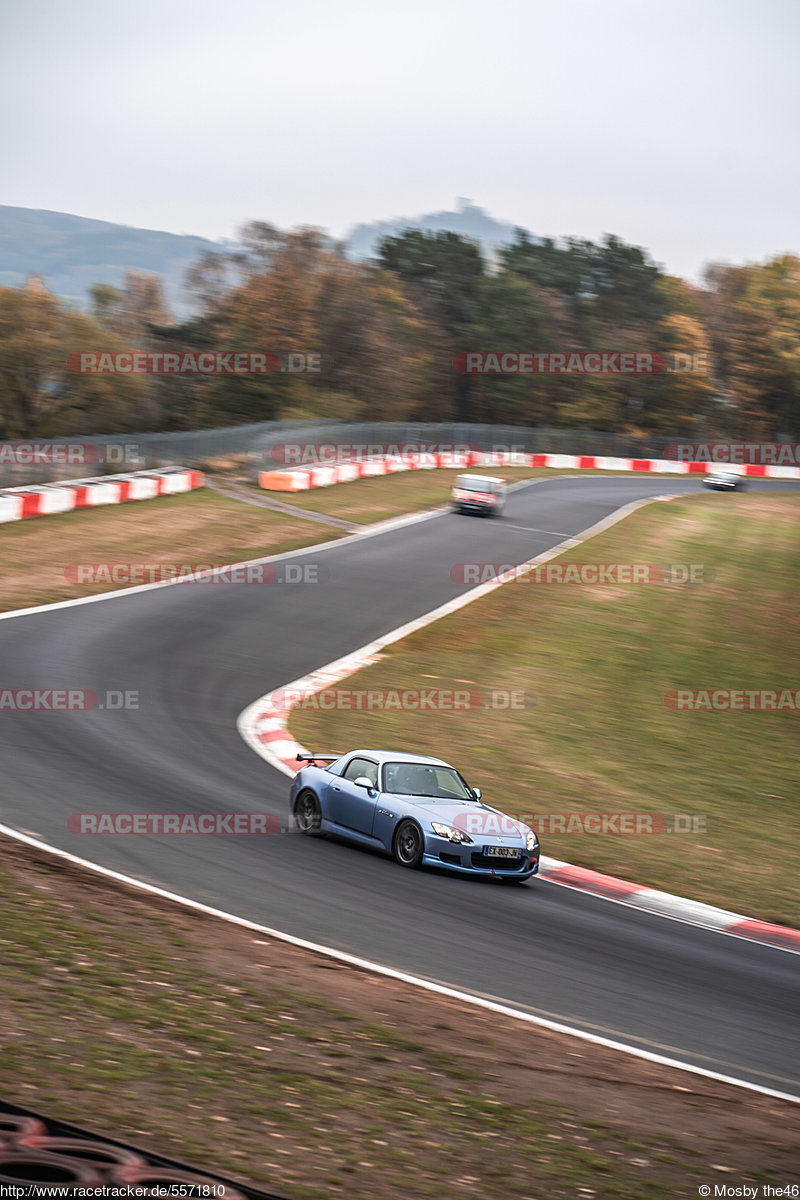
(442,274)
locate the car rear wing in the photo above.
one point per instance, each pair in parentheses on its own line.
(317,757)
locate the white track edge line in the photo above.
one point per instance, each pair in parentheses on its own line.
(374,530)
(400,976)
(368,531)
(351,960)
(245,719)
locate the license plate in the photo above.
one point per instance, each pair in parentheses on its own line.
(500,852)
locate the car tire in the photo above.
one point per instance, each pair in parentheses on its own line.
(408,845)
(307,813)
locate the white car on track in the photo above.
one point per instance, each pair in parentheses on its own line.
(479,494)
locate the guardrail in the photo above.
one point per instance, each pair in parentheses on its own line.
(45,460)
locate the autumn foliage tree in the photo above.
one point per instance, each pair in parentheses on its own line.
(752,314)
(39,394)
(388,331)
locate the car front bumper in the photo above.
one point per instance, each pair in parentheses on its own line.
(475,506)
(469,859)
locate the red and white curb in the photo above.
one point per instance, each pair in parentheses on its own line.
(300,479)
(667,905)
(39,500)
(264,726)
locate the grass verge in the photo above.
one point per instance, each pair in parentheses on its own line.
(198,527)
(595,734)
(213,1044)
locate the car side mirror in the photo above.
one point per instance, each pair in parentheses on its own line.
(477,793)
(362,781)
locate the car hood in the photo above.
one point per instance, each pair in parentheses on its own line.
(485,821)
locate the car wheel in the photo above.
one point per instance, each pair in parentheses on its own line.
(409,845)
(307,813)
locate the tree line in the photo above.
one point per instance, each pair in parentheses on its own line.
(387,332)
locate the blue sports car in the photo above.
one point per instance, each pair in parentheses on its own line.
(420,810)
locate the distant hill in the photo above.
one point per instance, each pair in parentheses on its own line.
(72,253)
(469,220)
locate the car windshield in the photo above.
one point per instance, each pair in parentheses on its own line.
(475,485)
(425,779)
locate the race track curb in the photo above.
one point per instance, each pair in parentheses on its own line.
(264,726)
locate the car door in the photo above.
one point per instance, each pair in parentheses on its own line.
(350,806)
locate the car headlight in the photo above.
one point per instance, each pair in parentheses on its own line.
(448,831)
(532,842)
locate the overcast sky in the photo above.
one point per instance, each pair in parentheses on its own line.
(672,123)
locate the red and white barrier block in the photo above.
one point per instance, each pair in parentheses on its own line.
(299,479)
(45,499)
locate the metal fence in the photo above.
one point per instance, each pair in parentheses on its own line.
(43,461)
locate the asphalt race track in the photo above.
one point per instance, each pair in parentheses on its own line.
(198,655)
